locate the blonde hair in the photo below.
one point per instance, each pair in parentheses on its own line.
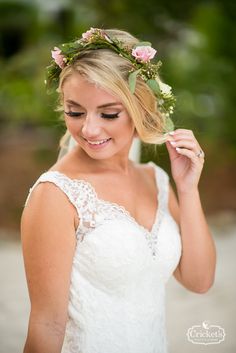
(110,71)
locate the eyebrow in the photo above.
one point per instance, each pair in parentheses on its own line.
(111,104)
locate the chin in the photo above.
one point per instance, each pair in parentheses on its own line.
(99,156)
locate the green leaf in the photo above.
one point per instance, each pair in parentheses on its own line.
(169,125)
(143,44)
(153,84)
(132,80)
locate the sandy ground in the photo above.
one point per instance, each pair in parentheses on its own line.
(184,308)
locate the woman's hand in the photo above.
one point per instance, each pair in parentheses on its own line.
(187,159)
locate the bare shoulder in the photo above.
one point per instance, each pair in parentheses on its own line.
(146,170)
(145,167)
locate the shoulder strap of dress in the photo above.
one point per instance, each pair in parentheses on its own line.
(162,182)
(78,192)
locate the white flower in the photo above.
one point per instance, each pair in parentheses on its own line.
(165,89)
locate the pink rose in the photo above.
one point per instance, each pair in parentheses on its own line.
(144,53)
(58,57)
(89,34)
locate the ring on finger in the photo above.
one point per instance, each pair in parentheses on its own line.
(200,154)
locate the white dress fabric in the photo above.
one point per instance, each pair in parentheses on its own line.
(119,272)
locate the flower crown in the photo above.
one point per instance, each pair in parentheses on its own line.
(140,56)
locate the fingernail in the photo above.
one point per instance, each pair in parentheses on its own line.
(178,149)
(171,133)
(173,143)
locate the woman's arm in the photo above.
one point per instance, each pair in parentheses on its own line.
(48,243)
(196,269)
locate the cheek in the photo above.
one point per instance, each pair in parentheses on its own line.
(129,127)
(72,125)
(122,129)
(126,124)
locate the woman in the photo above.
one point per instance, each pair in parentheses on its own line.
(102,234)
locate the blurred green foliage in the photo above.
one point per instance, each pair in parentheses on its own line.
(195,41)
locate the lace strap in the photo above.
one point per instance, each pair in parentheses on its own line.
(162,182)
(79,192)
(61,181)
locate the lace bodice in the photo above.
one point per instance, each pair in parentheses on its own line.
(119,272)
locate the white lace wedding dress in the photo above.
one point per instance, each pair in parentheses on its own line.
(119,273)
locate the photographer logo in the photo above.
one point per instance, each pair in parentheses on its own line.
(206,334)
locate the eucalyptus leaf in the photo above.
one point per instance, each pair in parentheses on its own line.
(132,80)
(153,84)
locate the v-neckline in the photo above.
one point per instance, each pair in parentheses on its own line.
(129,215)
(123,209)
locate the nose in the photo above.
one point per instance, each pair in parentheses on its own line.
(91,128)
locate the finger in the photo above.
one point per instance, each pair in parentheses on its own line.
(172,151)
(179,131)
(181,136)
(186,144)
(190,154)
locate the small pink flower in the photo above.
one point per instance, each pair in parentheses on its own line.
(144,53)
(58,57)
(89,34)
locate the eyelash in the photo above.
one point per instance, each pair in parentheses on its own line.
(110,116)
(104,116)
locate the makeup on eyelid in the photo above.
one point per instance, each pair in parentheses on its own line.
(103,115)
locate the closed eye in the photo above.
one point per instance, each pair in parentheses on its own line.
(73,114)
(103,115)
(110,116)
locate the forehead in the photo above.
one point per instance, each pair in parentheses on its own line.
(79,89)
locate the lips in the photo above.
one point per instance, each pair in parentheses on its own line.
(97,144)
